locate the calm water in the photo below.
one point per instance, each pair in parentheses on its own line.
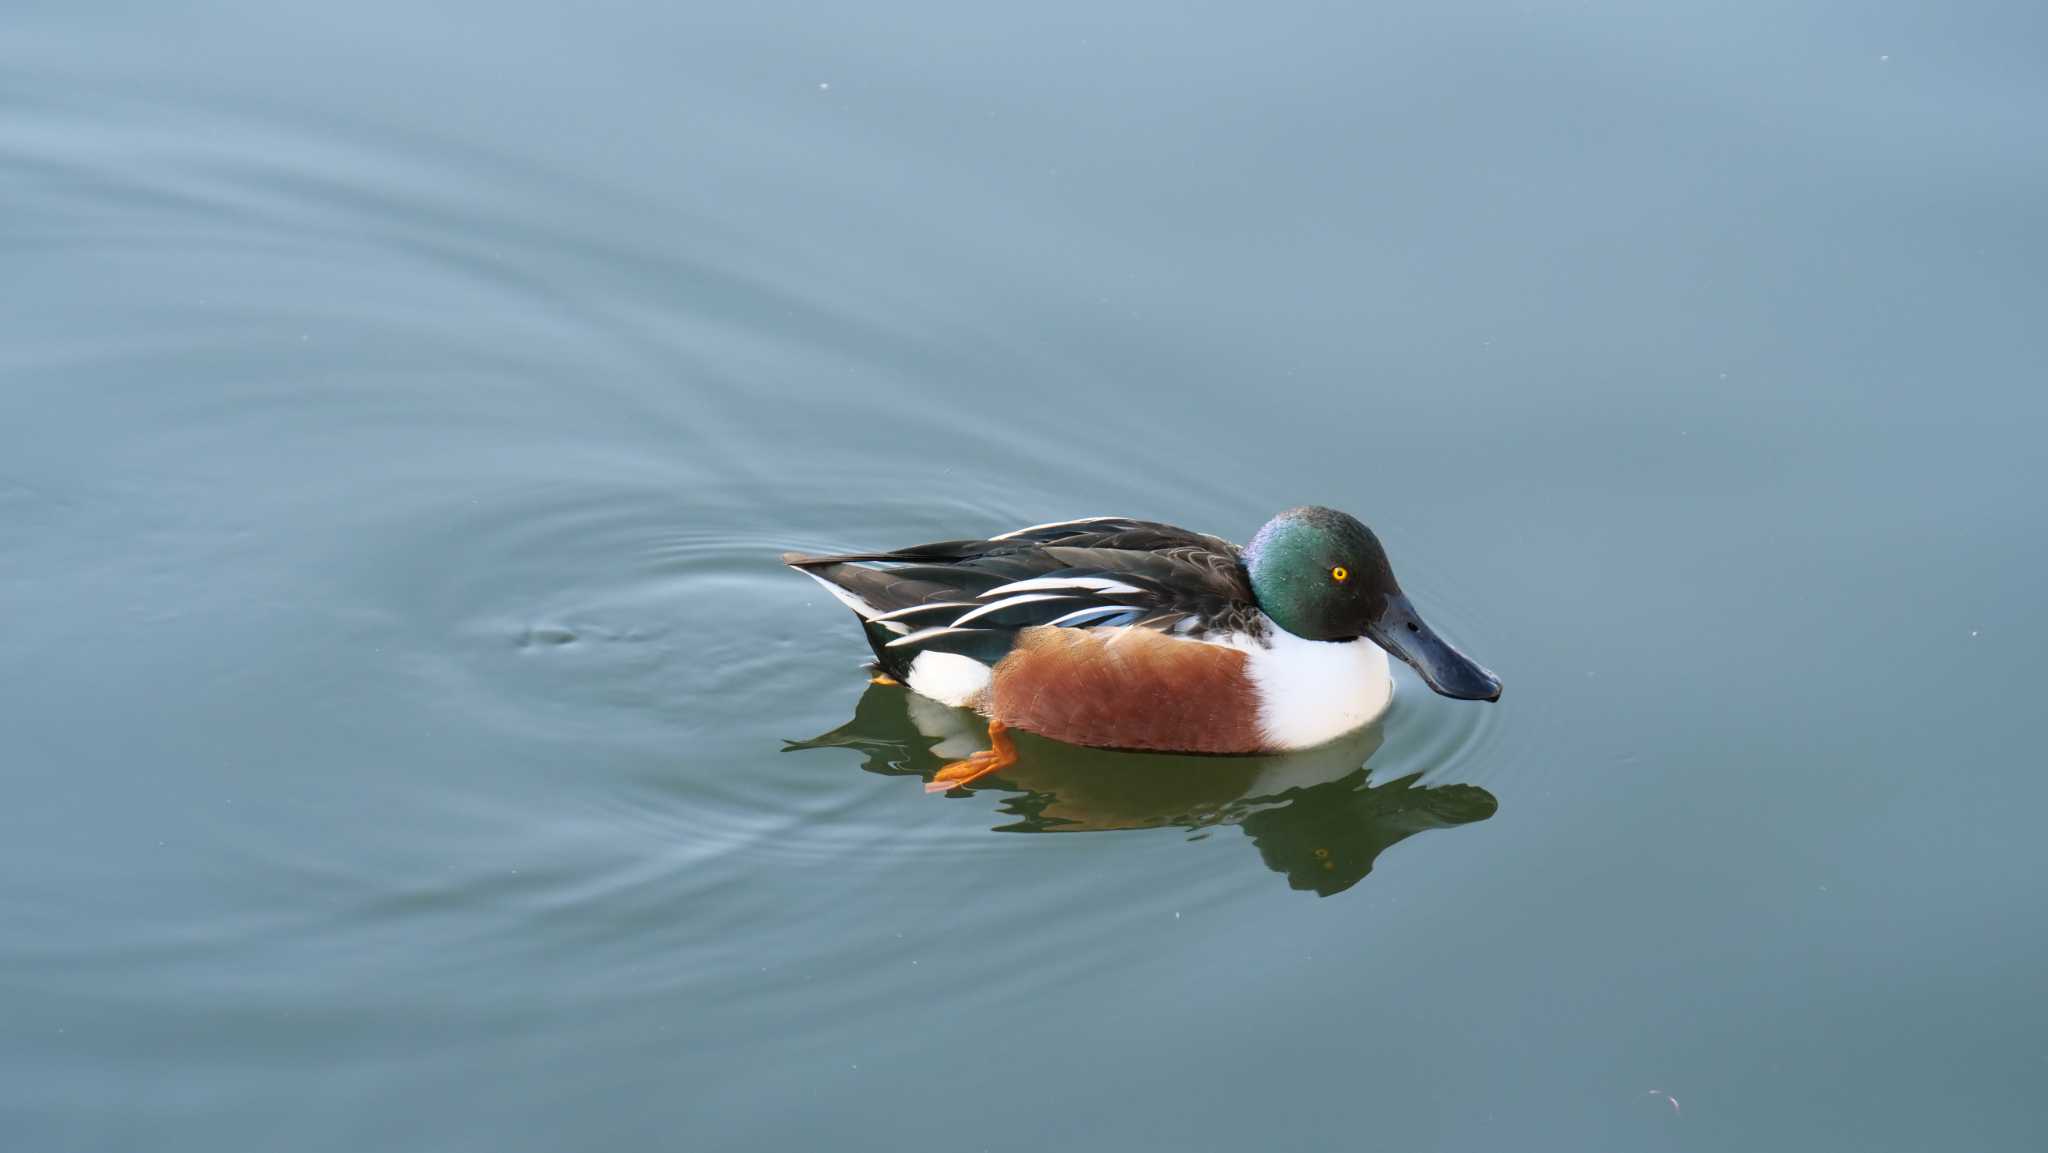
(409,741)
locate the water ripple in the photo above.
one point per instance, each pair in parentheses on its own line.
(524,475)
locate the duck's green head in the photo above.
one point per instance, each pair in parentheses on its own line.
(1323,576)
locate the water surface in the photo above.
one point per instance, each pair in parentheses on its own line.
(410,741)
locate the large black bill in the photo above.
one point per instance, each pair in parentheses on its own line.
(1401,632)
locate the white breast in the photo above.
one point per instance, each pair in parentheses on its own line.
(1312,692)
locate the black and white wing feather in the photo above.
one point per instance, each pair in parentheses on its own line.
(973,596)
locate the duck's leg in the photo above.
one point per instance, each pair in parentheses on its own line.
(1001,754)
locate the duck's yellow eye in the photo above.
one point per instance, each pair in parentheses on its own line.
(1340,573)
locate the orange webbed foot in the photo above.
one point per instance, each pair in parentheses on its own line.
(1001,754)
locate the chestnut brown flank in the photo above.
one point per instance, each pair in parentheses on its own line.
(1127,689)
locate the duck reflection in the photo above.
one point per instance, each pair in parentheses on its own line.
(1315,816)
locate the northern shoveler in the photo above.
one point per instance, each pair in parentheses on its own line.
(1130,634)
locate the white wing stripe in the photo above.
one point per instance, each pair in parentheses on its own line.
(1040,584)
(915,609)
(866,610)
(923,635)
(1083,614)
(1000,605)
(1053,524)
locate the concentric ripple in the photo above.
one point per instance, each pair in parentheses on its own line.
(501,495)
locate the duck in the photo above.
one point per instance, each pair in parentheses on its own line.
(1119,633)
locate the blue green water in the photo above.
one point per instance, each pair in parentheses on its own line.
(408,740)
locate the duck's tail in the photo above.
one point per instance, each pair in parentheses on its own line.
(867,592)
